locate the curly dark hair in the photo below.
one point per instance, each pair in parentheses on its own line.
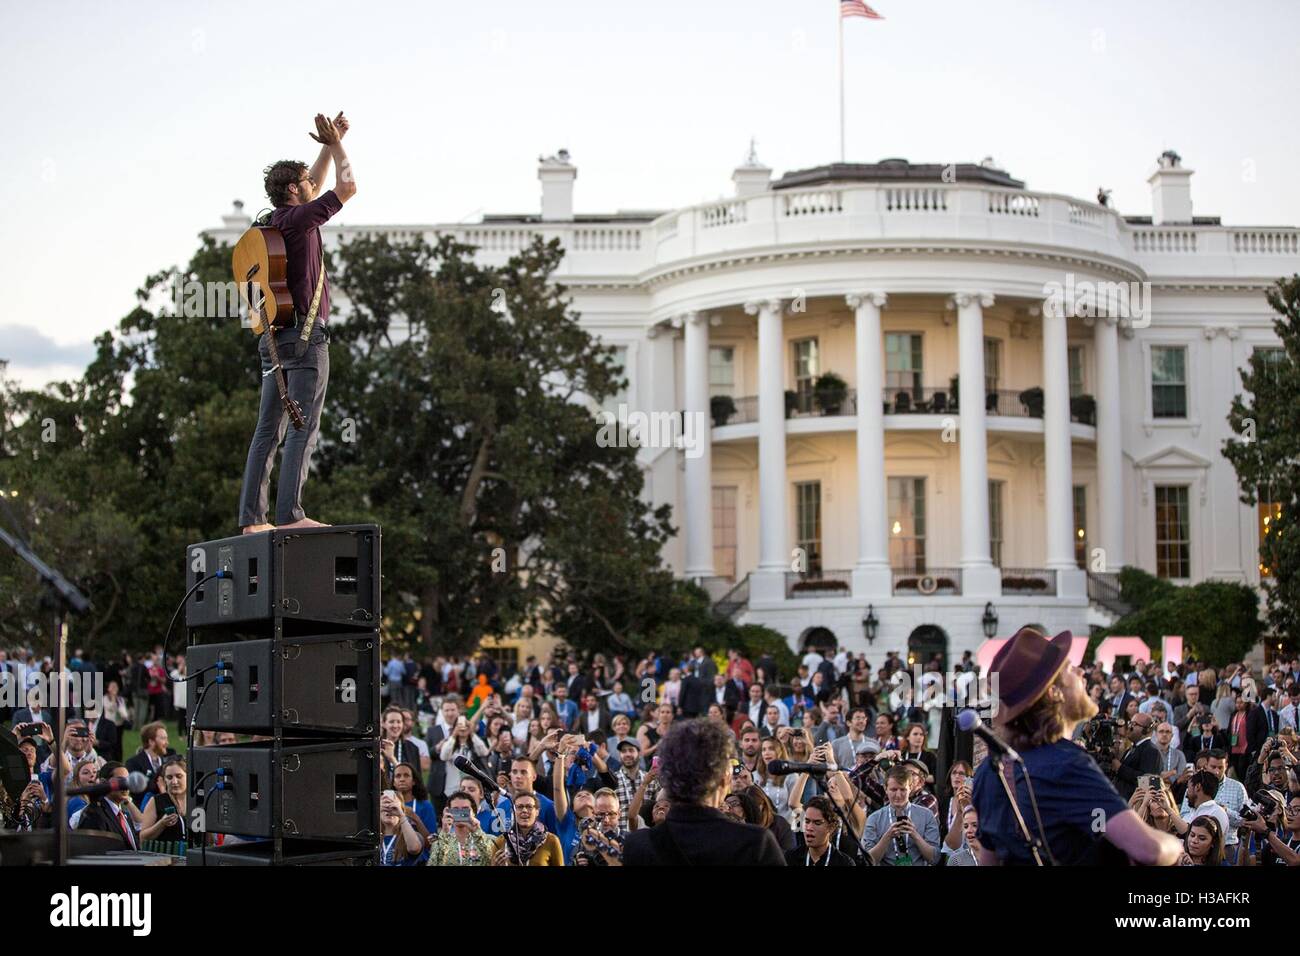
(695,759)
(279,176)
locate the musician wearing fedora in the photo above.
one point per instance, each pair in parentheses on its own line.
(1080,818)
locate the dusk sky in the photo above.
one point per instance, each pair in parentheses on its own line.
(129,127)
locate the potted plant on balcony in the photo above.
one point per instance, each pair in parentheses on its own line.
(721,407)
(829,392)
(1032,399)
(791,402)
(1083,409)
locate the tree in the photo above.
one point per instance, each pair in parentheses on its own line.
(1266,454)
(1218,620)
(460,418)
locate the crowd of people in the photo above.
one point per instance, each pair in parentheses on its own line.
(837,764)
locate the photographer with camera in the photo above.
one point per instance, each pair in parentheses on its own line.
(1276,827)
(1041,701)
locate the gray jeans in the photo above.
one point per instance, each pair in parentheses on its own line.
(306,377)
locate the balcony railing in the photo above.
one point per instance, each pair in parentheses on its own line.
(1007,403)
(931,581)
(818,584)
(1031,581)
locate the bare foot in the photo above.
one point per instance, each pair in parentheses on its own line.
(258,528)
(304,523)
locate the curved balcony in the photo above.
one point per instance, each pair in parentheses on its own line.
(1009,410)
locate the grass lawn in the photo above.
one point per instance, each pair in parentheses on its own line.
(131,741)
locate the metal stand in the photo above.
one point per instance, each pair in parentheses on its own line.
(66,599)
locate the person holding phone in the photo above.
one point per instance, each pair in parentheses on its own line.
(399,842)
(164,815)
(461,840)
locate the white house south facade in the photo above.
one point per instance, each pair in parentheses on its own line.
(935,397)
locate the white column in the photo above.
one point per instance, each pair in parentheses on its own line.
(768,582)
(698,524)
(979,577)
(871,575)
(1110,465)
(1058,479)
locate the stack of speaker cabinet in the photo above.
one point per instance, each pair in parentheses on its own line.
(283,652)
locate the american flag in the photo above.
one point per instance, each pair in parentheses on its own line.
(856,8)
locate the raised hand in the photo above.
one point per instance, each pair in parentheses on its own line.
(341,124)
(327,133)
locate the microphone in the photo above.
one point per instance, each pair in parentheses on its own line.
(465,765)
(135,781)
(970,722)
(781,767)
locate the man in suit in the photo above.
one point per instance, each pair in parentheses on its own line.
(695,773)
(701,665)
(1118,696)
(592,716)
(153,747)
(1262,722)
(726,694)
(696,695)
(575,685)
(1142,758)
(438,732)
(1191,710)
(112,813)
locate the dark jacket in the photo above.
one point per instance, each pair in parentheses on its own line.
(1256,729)
(1141,759)
(799,857)
(697,694)
(97,816)
(1192,745)
(701,836)
(140,763)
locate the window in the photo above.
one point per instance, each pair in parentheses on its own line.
(995,521)
(903,364)
(506,658)
(1268,511)
(808,522)
(1173,540)
(724,532)
(992,364)
(1080,526)
(621,396)
(1272,360)
(1076,370)
(722,370)
(907,524)
(1168,381)
(806,370)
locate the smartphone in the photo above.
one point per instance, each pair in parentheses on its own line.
(1151,781)
(654,763)
(460,814)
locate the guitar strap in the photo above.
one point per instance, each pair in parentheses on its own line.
(315,305)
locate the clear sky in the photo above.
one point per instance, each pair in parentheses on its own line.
(130,126)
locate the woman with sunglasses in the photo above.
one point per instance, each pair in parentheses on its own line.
(526,842)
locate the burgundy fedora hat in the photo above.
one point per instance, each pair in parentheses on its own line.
(1025,667)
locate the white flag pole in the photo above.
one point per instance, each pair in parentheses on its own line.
(840,14)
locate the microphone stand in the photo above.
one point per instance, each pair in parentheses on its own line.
(66,599)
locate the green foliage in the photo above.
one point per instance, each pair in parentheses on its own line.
(459,417)
(1265,417)
(1218,620)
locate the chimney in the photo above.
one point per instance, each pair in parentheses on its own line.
(557,175)
(1171,190)
(753,177)
(236,219)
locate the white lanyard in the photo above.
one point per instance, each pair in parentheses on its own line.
(388,849)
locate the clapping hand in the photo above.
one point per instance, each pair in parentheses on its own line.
(327,133)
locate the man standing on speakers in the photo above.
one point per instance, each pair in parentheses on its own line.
(299,214)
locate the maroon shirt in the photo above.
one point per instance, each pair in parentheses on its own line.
(300,226)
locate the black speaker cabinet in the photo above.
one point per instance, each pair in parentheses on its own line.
(293,853)
(323,575)
(309,791)
(327,683)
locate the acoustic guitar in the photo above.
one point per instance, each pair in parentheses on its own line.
(259,264)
